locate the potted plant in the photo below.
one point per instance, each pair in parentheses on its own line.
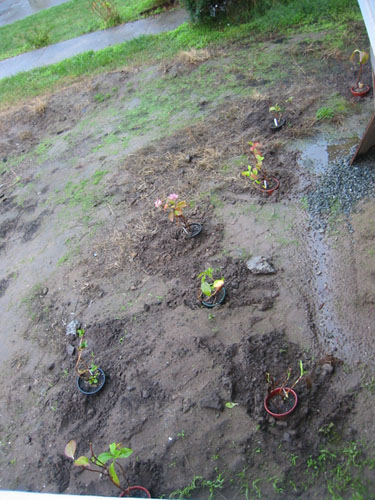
(260,178)
(278,120)
(359,89)
(282,399)
(105,463)
(212,292)
(90,378)
(175,214)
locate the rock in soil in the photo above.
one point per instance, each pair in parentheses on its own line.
(260,265)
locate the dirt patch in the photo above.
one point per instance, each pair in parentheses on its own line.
(81,196)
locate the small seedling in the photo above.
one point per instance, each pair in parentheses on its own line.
(277,112)
(230,405)
(90,373)
(175,210)
(257,173)
(212,287)
(104,463)
(363,57)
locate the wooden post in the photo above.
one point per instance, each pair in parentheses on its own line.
(368,12)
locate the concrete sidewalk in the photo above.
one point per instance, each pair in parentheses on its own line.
(92,41)
(14,10)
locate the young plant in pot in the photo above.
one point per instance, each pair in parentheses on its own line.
(282,399)
(90,378)
(260,178)
(360,89)
(175,214)
(107,465)
(278,120)
(212,292)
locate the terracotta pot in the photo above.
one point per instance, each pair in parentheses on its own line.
(219,299)
(292,397)
(136,492)
(269,190)
(360,93)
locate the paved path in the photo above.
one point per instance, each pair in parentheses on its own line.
(14,10)
(92,41)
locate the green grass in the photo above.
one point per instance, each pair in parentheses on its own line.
(153,49)
(60,23)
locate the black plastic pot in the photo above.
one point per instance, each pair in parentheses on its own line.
(216,300)
(194,229)
(280,125)
(88,389)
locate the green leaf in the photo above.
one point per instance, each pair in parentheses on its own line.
(104,457)
(113,448)
(113,474)
(206,289)
(125,452)
(229,404)
(70,449)
(82,462)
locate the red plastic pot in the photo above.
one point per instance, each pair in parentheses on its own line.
(268,191)
(136,492)
(276,392)
(360,93)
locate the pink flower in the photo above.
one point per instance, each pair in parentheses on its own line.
(158,203)
(173,196)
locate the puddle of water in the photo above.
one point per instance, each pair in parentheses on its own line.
(14,10)
(316,155)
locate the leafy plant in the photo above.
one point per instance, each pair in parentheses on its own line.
(89,372)
(175,210)
(107,11)
(105,463)
(212,287)
(256,173)
(277,112)
(363,57)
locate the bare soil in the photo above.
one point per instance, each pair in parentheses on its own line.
(80,239)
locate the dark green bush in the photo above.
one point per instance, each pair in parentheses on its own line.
(202,10)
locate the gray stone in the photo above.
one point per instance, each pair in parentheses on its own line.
(213,402)
(131,388)
(70,349)
(327,369)
(260,265)
(286,437)
(72,327)
(145,394)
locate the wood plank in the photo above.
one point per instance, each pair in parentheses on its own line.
(367,142)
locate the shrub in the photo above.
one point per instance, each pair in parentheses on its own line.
(201,10)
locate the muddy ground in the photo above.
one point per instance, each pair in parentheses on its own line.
(80,239)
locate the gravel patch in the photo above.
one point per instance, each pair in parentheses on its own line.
(341,187)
